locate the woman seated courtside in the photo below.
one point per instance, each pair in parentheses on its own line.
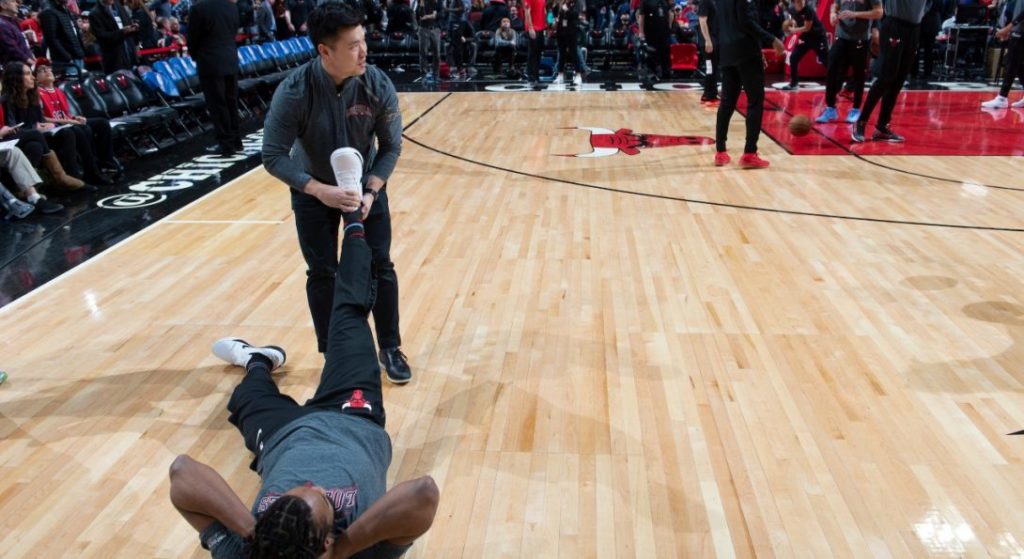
(73,144)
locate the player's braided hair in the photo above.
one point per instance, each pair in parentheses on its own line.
(287,530)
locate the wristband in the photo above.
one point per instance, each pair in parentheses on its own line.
(371,192)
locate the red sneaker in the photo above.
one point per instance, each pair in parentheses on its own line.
(722,158)
(752,161)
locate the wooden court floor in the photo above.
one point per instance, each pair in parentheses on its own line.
(702,362)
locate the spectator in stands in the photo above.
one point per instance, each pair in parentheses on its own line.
(654,19)
(33,32)
(461,36)
(22,105)
(400,17)
(180,11)
(535,18)
(212,40)
(804,23)
(283,28)
(493,14)
(930,27)
(1014,31)
(147,36)
(170,33)
(682,32)
(374,14)
(161,8)
(115,32)
(582,31)
(299,10)
(567,18)
(427,14)
(265,24)
(505,48)
(13,45)
(454,10)
(26,181)
(89,42)
(63,38)
(517,22)
(247,18)
(94,130)
(33,144)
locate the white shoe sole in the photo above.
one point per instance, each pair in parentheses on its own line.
(233,351)
(340,164)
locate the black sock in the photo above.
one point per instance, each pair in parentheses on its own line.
(258,362)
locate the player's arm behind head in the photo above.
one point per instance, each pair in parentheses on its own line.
(403,514)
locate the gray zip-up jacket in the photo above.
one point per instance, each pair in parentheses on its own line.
(309,118)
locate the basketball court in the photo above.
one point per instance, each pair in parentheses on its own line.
(615,355)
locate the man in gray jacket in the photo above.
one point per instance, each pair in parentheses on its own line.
(333,101)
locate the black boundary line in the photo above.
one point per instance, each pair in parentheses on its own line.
(426,112)
(689,200)
(865,159)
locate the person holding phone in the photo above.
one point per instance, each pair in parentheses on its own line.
(115,32)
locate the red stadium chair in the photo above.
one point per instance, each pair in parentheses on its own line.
(683,56)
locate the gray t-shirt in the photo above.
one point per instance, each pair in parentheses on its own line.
(855,29)
(907,10)
(345,454)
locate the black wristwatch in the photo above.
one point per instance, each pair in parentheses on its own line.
(371,192)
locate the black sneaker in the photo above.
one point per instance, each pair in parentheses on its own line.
(858,133)
(885,134)
(396,366)
(47,207)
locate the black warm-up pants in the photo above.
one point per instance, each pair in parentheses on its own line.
(805,45)
(748,75)
(259,409)
(1014,65)
(844,55)
(317,226)
(898,49)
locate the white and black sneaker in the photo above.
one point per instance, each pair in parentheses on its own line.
(238,352)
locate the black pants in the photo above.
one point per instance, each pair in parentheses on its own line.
(930,27)
(102,139)
(1014,65)
(710,78)
(844,55)
(661,57)
(535,49)
(74,147)
(567,51)
(504,55)
(221,94)
(33,144)
(748,75)
(259,409)
(317,227)
(898,48)
(803,46)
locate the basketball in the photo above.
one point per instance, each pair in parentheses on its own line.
(799,125)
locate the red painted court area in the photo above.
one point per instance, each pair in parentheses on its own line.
(933,122)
